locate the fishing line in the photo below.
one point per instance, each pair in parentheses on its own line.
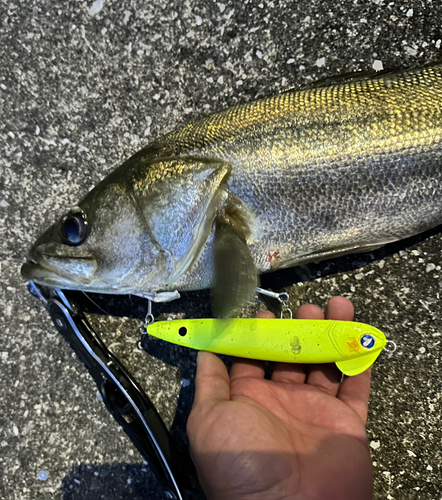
(95,304)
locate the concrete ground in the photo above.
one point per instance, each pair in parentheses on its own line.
(83,85)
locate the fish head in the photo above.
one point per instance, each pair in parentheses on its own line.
(139,231)
(100,245)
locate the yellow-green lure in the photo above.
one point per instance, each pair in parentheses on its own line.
(352,346)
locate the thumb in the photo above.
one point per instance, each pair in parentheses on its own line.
(212,381)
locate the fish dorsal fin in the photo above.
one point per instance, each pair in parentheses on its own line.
(354,76)
(179,198)
(359,364)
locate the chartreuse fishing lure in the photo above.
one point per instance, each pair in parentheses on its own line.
(353,346)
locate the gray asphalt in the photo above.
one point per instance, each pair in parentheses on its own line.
(84,87)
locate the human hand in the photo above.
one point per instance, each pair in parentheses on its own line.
(300,435)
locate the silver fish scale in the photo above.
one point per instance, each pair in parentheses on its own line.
(330,169)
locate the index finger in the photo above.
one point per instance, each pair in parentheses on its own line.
(355,392)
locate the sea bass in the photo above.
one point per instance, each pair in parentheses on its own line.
(301,176)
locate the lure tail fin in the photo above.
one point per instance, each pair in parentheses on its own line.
(357,365)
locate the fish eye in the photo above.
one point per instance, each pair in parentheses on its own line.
(74,228)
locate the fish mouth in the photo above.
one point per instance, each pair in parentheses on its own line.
(41,272)
(40,269)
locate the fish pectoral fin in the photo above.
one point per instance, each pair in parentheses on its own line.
(359,364)
(236,276)
(179,199)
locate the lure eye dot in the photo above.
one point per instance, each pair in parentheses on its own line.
(367,341)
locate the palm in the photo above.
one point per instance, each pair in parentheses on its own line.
(298,435)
